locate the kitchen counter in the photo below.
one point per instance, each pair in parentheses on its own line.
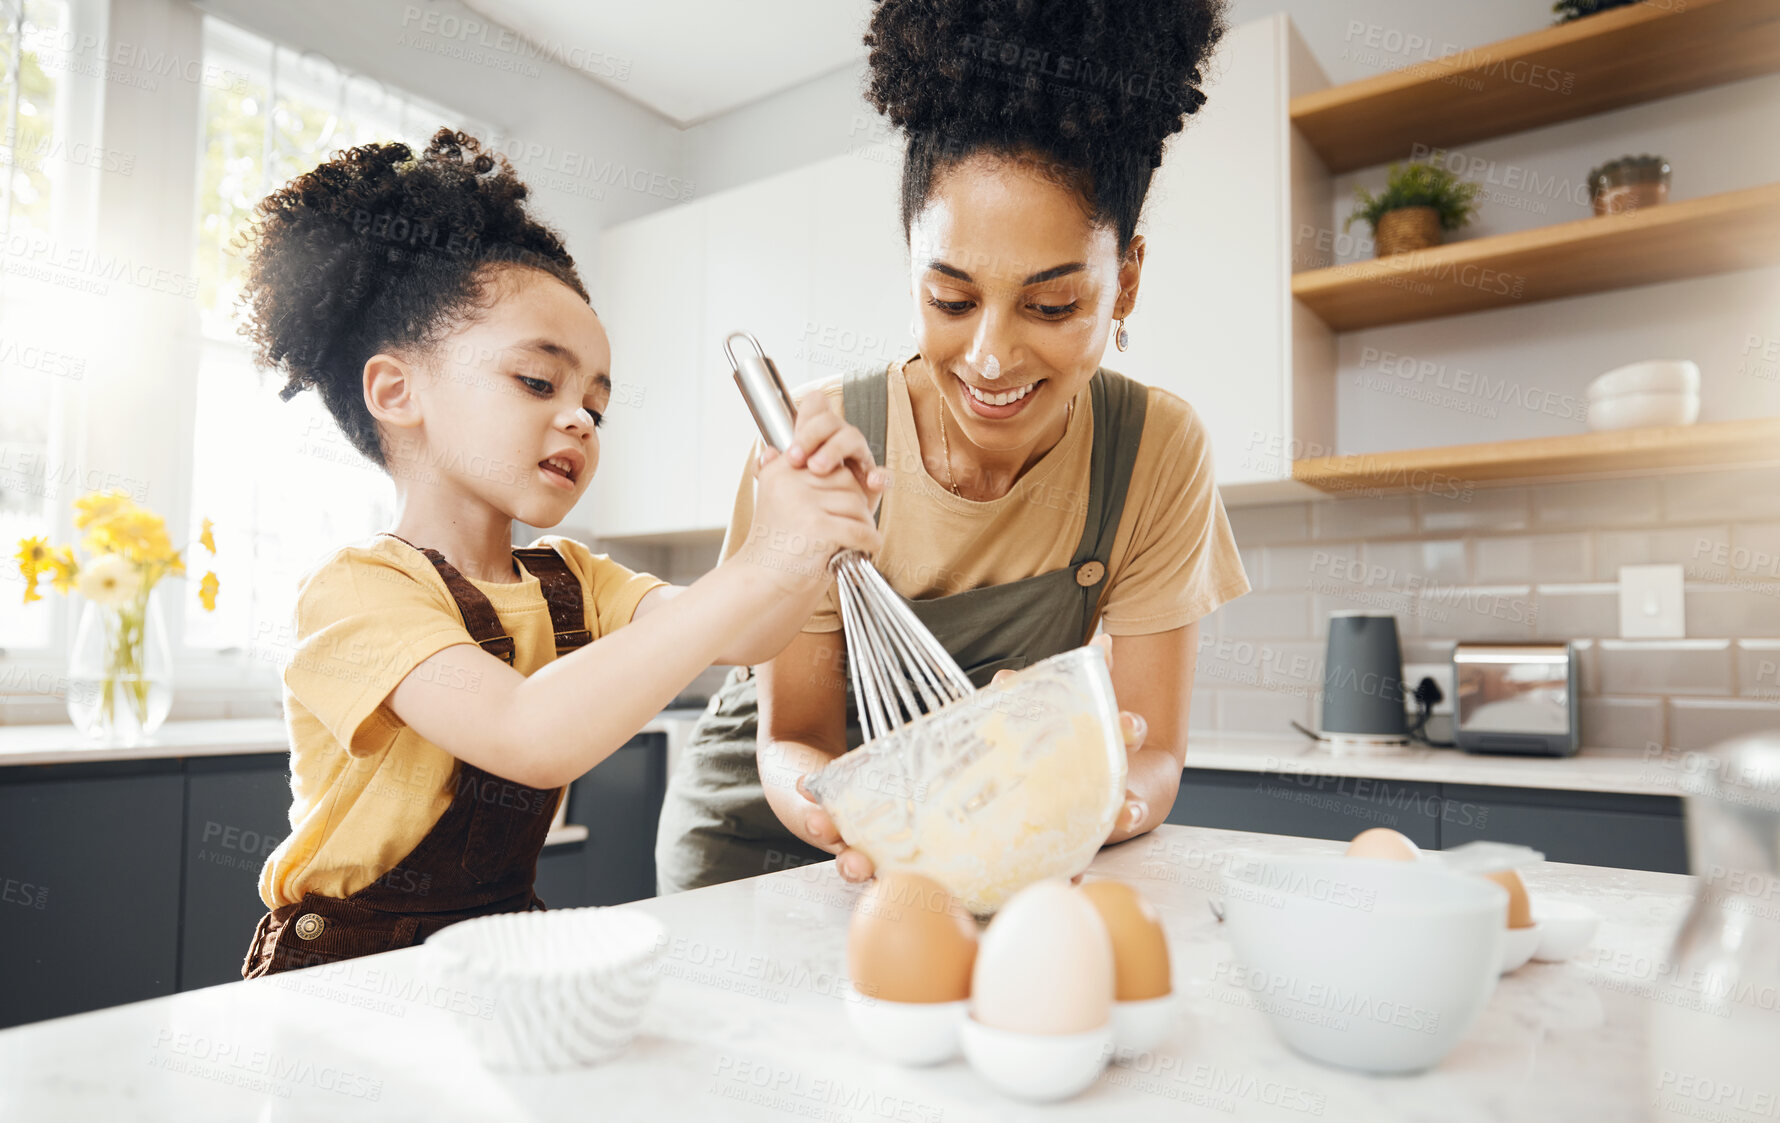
(1591,770)
(1628,771)
(749,1024)
(63,744)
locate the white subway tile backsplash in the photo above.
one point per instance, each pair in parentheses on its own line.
(1677,546)
(1533,557)
(1598,503)
(1666,667)
(1296,568)
(1368,517)
(1743,495)
(1338,597)
(1202,715)
(1622,723)
(1264,526)
(1575,611)
(1750,608)
(1266,616)
(1440,562)
(1261,711)
(1503,508)
(1516,563)
(1758,669)
(1700,723)
(1478,612)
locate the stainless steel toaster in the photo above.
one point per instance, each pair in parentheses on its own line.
(1515,698)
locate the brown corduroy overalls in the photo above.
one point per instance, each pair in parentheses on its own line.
(480,858)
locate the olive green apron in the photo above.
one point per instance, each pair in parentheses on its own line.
(716,825)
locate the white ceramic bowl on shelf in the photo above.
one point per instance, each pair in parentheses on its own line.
(564,989)
(1652,376)
(1636,411)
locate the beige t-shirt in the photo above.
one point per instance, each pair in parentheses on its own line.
(1173,559)
(366,788)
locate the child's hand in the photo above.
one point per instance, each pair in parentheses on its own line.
(823,442)
(804,515)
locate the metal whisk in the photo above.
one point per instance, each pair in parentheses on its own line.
(898,669)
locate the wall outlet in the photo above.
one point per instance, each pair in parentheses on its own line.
(1652,602)
(1441,673)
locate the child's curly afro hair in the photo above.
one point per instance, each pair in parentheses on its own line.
(1091,88)
(381,249)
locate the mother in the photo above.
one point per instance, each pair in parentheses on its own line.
(1034,495)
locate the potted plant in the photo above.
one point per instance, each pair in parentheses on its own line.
(119,673)
(1419,201)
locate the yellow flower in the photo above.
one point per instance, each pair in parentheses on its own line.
(205,539)
(65,567)
(110,581)
(207,591)
(98,506)
(33,555)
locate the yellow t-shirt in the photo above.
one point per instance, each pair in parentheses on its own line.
(1173,557)
(365,788)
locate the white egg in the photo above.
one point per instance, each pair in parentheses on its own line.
(1045,965)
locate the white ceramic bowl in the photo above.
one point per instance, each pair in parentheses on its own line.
(1652,376)
(1518,945)
(1039,1067)
(1635,411)
(1140,1026)
(567,987)
(1567,928)
(909,1033)
(1364,963)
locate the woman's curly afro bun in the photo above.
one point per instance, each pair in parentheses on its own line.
(1092,88)
(380,249)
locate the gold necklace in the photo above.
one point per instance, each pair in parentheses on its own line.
(945,446)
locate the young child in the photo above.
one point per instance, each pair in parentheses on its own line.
(444,688)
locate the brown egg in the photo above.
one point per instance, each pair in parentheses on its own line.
(1382,842)
(1520,906)
(1140,948)
(910,941)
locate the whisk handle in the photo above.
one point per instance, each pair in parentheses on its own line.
(758,379)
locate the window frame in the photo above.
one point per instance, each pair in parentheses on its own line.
(219,678)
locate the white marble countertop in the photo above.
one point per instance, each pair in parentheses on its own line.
(749,1023)
(63,744)
(1591,770)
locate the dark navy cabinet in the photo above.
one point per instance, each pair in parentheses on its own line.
(121,881)
(89,886)
(1593,828)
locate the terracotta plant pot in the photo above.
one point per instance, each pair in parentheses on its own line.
(1405,229)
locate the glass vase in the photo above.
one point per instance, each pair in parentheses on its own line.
(1715,1014)
(120,672)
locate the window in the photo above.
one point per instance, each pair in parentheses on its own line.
(284,487)
(35,367)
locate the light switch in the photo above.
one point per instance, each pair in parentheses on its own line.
(1650,602)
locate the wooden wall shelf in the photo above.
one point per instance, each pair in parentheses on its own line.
(1616,58)
(1624,452)
(1691,238)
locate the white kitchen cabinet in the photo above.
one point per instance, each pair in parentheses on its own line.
(651,302)
(860,308)
(757,277)
(1215,321)
(812,261)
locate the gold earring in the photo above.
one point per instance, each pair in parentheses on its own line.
(1123,338)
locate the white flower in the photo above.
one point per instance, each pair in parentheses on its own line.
(111,580)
